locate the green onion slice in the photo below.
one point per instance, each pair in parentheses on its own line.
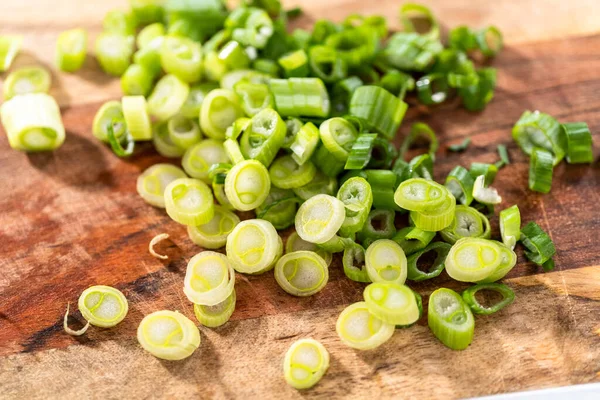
(114,51)
(296,243)
(217,315)
(579,142)
(137,80)
(181,57)
(420,129)
(220,109)
(488,170)
(193,103)
(26,80)
(9,48)
(489,41)
(151,184)
(438,219)
(149,33)
(167,98)
(360,329)
(357,197)
(255,97)
(413,239)
(536,129)
(420,19)
(320,184)
(117,21)
(408,51)
(433,89)
(293,126)
(294,64)
(184,132)
(383,154)
(356,46)
(237,128)
(381,110)
(233,151)
(386,262)
(473,259)
(379,225)
(392,303)
(263,137)
(296,97)
(462,38)
(327,162)
(247,185)
(305,363)
(338,136)
(450,319)
(69,330)
(279,208)
(539,246)
(163,143)
(285,173)
(540,171)
(326,64)
(305,143)
(485,195)
(189,201)
(418,194)
(503,154)
(103,306)
(462,146)
(213,234)
(319,218)
(135,112)
(110,111)
(509,260)
(198,159)
(301,273)
(168,335)
(209,278)
(415,274)
(254,246)
(460,183)
(360,155)
(508,296)
(353,262)
(118,134)
(468,222)
(149,56)
(510,226)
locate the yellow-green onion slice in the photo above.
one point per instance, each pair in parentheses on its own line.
(338,135)
(184,132)
(296,243)
(319,218)
(213,234)
(468,222)
(510,226)
(485,195)
(247,185)
(181,57)
(392,303)
(305,363)
(438,219)
(296,97)
(209,278)
(255,96)
(163,143)
(279,208)
(135,111)
(301,273)
(540,170)
(294,64)
(149,56)
(199,158)
(70,331)
(413,239)
(189,201)
(137,80)
(418,194)
(469,296)
(103,306)
(473,259)
(360,329)
(121,22)
(220,109)
(415,274)
(320,184)
(152,182)
(305,143)
(357,196)
(353,262)
(263,136)
(460,183)
(9,48)
(385,261)
(217,315)
(286,173)
(109,112)
(149,33)
(168,335)
(509,260)
(167,98)
(155,240)
(193,103)
(254,246)
(450,319)
(114,51)
(26,80)
(32,122)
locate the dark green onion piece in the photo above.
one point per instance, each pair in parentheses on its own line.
(548,265)
(342,93)
(489,41)
(413,239)
(420,129)
(354,263)
(327,65)
(469,296)
(460,147)
(503,153)
(460,183)
(379,225)
(579,142)
(327,162)
(536,129)
(414,16)
(415,274)
(539,246)
(477,96)
(294,12)
(383,154)
(433,89)
(540,171)
(462,38)
(360,155)
(116,142)
(397,82)
(381,110)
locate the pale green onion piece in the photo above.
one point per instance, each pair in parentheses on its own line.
(109,112)
(32,122)
(450,319)
(163,143)
(219,193)
(418,194)
(103,306)
(392,303)
(149,56)
(137,80)
(360,329)
(167,98)
(71,50)
(213,234)
(473,259)
(294,64)
(152,182)
(209,278)
(217,315)
(485,195)
(70,331)
(279,208)
(338,135)
(510,226)
(220,109)
(181,57)
(319,218)
(509,260)
(468,222)
(155,240)
(305,143)
(254,246)
(296,97)
(247,185)
(149,33)
(117,21)
(301,273)
(229,80)
(305,363)
(263,136)
(233,151)
(296,243)
(193,103)
(199,158)
(285,173)
(320,184)
(135,111)
(437,219)
(184,132)
(386,262)
(168,335)
(114,51)
(189,201)
(26,80)
(9,48)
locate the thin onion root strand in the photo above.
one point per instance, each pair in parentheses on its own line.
(71,331)
(154,241)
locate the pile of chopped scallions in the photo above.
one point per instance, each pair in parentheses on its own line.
(298,127)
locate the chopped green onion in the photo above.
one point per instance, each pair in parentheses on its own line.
(71,50)
(383,154)
(409,51)
(336,244)
(147,11)
(26,80)
(149,33)
(167,98)
(462,38)
(137,80)
(460,183)
(488,170)
(9,48)
(419,301)
(152,182)
(149,56)
(168,335)
(357,197)
(326,64)
(135,112)
(213,234)
(320,184)
(540,170)
(536,129)
(473,259)
(193,103)
(392,303)
(413,16)
(503,153)
(209,278)
(263,137)
(379,225)
(360,329)
(296,97)
(509,260)
(360,155)
(356,46)
(421,167)
(319,218)
(539,246)
(460,147)
(181,57)
(386,262)
(233,151)
(293,126)
(247,185)
(381,110)
(342,93)
(450,319)
(433,89)
(286,173)
(305,143)
(255,97)
(296,243)
(301,273)
(279,208)
(32,122)
(184,132)
(120,22)
(485,195)
(468,222)
(266,66)
(354,263)
(415,274)
(418,194)
(294,64)
(338,136)
(220,109)
(395,81)
(218,172)
(437,219)
(217,315)
(548,265)
(579,142)
(255,30)
(489,41)
(103,306)
(305,363)
(117,135)
(413,239)
(327,162)
(163,143)
(254,246)
(233,56)
(189,201)
(469,296)
(420,129)
(510,226)
(229,80)
(114,52)
(476,97)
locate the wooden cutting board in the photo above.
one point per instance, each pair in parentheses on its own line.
(72,218)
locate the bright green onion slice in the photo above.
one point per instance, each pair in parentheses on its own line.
(381,110)
(200,157)
(468,222)
(305,363)
(137,80)
(279,208)
(233,55)
(414,273)
(509,260)
(167,98)
(433,88)
(379,225)
(420,19)
(285,173)
(71,50)
(488,170)
(489,41)
(189,201)
(296,243)
(26,80)
(354,265)
(327,163)
(476,97)
(485,195)
(152,182)
(247,185)
(184,132)
(217,315)
(360,155)
(149,33)
(296,97)
(392,303)
(469,296)
(413,239)
(233,151)
(213,234)
(255,97)
(357,197)
(386,262)
(383,154)
(510,226)
(320,184)
(181,57)
(539,246)
(163,143)
(117,21)
(220,109)
(193,103)
(338,135)
(360,329)
(450,319)
(149,56)
(294,64)
(118,135)
(301,273)
(305,143)
(135,111)
(263,137)
(421,167)
(540,171)
(539,130)
(209,278)
(254,246)
(579,142)
(319,218)
(114,51)
(326,64)
(473,259)
(168,335)
(103,306)
(32,122)
(9,48)
(460,183)
(418,194)
(435,220)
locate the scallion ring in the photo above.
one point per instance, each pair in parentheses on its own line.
(413,239)
(386,262)
(189,201)
(103,306)
(450,319)
(320,184)
(263,137)
(539,246)
(135,112)
(213,234)
(296,243)
(485,195)
(217,315)
(247,185)
(469,296)
(392,303)
(540,170)
(168,335)
(468,222)
(184,132)
(353,262)
(473,259)
(198,159)
(285,173)
(26,80)
(209,278)
(360,329)
(254,246)
(305,363)
(168,97)
(579,142)
(460,183)
(301,273)
(319,218)
(414,273)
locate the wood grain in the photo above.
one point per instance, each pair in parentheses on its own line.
(72,219)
